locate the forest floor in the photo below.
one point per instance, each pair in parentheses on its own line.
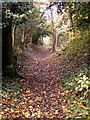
(38,93)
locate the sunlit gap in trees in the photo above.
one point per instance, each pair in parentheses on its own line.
(47,14)
(46,41)
(43,1)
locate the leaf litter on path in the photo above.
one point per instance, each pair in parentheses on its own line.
(39,94)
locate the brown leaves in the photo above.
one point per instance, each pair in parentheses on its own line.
(40,94)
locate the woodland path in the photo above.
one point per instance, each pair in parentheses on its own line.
(38,92)
(40,68)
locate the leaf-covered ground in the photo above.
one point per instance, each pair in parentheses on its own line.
(38,92)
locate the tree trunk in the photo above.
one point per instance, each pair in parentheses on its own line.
(56,43)
(7,51)
(70,21)
(53,31)
(23,36)
(13,35)
(54,40)
(70,24)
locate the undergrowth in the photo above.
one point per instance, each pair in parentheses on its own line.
(79,46)
(78,83)
(12,88)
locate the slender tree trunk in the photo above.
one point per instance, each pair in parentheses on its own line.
(70,24)
(54,40)
(13,35)
(23,39)
(23,36)
(56,43)
(53,31)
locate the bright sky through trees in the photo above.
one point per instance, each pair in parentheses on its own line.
(41,0)
(47,13)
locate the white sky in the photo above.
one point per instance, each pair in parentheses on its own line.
(47,13)
(55,15)
(41,0)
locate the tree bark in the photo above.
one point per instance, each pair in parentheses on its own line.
(54,40)
(13,35)
(53,31)
(23,36)
(7,51)
(56,43)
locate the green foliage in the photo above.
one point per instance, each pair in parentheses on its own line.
(25,17)
(9,68)
(81,15)
(11,87)
(16,12)
(39,31)
(79,12)
(78,83)
(79,46)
